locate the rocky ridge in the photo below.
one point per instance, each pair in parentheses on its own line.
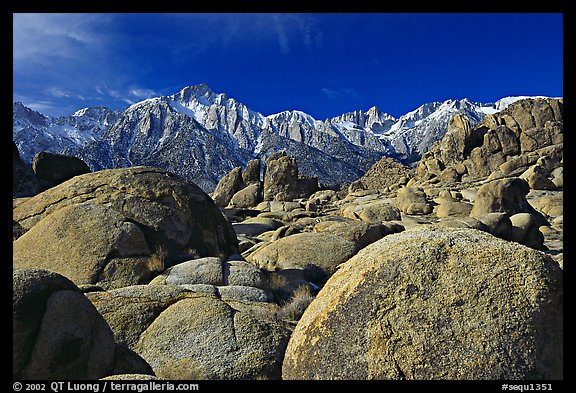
(201,135)
(441,277)
(34,132)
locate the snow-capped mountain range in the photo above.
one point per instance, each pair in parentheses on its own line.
(34,132)
(202,135)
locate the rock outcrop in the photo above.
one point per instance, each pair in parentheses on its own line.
(120,225)
(248,197)
(227,187)
(251,173)
(281,180)
(25,183)
(405,274)
(90,244)
(298,251)
(503,196)
(412,200)
(504,144)
(211,271)
(47,170)
(371,210)
(187,334)
(204,337)
(496,164)
(360,232)
(434,304)
(282,183)
(57,168)
(58,334)
(384,176)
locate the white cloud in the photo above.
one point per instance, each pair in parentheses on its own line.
(340,94)
(60,56)
(87,59)
(281,34)
(40,38)
(57,92)
(296,29)
(71,60)
(130,96)
(46,107)
(142,93)
(286,30)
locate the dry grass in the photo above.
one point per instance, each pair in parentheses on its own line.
(283,283)
(293,309)
(276,282)
(157,262)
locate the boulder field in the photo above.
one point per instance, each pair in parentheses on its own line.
(452,269)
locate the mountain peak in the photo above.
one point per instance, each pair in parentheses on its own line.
(200,92)
(24,115)
(201,89)
(376,113)
(374,109)
(93,111)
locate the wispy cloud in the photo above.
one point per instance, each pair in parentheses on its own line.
(296,29)
(58,57)
(129,96)
(340,94)
(283,30)
(39,38)
(58,92)
(102,59)
(46,107)
(62,102)
(281,34)
(142,93)
(64,60)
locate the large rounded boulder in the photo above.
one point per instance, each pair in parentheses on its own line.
(506,195)
(118,227)
(58,334)
(25,183)
(89,244)
(323,250)
(502,195)
(186,334)
(434,303)
(56,168)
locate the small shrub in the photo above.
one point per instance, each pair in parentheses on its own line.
(276,281)
(294,308)
(158,259)
(278,285)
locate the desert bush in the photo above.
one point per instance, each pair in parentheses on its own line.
(293,309)
(157,262)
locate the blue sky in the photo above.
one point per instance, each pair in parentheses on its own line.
(323,64)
